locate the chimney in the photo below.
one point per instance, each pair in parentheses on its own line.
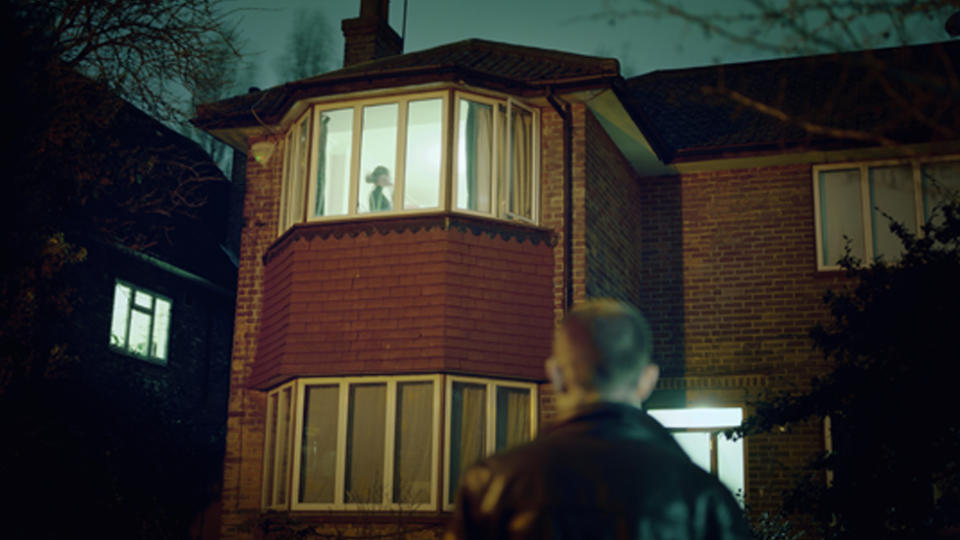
(369,36)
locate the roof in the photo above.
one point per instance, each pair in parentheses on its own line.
(898,95)
(522,70)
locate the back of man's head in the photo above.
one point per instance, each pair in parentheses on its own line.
(608,346)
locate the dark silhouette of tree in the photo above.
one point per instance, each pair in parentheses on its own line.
(894,469)
(309,48)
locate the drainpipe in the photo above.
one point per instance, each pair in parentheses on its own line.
(563,109)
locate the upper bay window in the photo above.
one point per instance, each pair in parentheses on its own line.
(852,202)
(407,154)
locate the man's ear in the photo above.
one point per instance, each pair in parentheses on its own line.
(647,382)
(555,374)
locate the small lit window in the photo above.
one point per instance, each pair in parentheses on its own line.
(853,202)
(697,431)
(141,322)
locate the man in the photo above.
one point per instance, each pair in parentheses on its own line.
(606,469)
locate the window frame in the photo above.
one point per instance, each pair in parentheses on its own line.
(449,103)
(491,427)
(343,384)
(713,429)
(868,227)
(131,306)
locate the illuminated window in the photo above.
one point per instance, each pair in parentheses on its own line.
(391,155)
(141,322)
(373,443)
(697,431)
(853,201)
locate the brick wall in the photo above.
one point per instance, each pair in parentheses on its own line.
(730,282)
(613,223)
(245,409)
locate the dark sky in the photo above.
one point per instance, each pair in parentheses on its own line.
(642,44)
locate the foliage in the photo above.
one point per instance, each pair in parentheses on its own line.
(895,461)
(309,48)
(86,168)
(923,91)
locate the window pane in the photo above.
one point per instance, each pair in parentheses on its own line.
(290,167)
(378,158)
(318,453)
(474,156)
(414,452)
(939,180)
(891,192)
(121,309)
(366,431)
(283,446)
(730,463)
(161,326)
(513,417)
(143,300)
(516,189)
(424,149)
(840,214)
(269,450)
(139,339)
(467,429)
(335,141)
(697,445)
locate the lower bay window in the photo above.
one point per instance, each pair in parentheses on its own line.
(851,200)
(374,443)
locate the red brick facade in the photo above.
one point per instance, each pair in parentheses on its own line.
(406,301)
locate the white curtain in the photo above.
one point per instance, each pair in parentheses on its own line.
(413,452)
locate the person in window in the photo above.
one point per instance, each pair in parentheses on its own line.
(605,469)
(380,177)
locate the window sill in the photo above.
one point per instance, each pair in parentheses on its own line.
(383,224)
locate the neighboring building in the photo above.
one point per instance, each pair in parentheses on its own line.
(133,426)
(383,346)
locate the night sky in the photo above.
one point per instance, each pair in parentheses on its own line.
(641,44)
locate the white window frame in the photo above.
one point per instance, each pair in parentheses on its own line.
(268,489)
(868,255)
(491,415)
(124,348)
(296,440)
(709,420)
(447,188)
(499,204)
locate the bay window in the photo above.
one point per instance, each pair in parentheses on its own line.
(406,154)
(373,443)
(852,202)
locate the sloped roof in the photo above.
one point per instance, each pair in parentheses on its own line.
(902,95)
(522,70)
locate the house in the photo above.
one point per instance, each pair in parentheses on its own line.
(383,346)
(131,424)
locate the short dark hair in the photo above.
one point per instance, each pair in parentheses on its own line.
(612,344)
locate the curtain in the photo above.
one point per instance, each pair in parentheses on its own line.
(513,417)
(283,432)
(467,429)
(319,204)
(521,192)
(318,451)
(413,450)
(366,431)
(477,142)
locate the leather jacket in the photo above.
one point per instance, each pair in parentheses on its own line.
(608,471)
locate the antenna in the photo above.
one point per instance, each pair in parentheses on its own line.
(403,31)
